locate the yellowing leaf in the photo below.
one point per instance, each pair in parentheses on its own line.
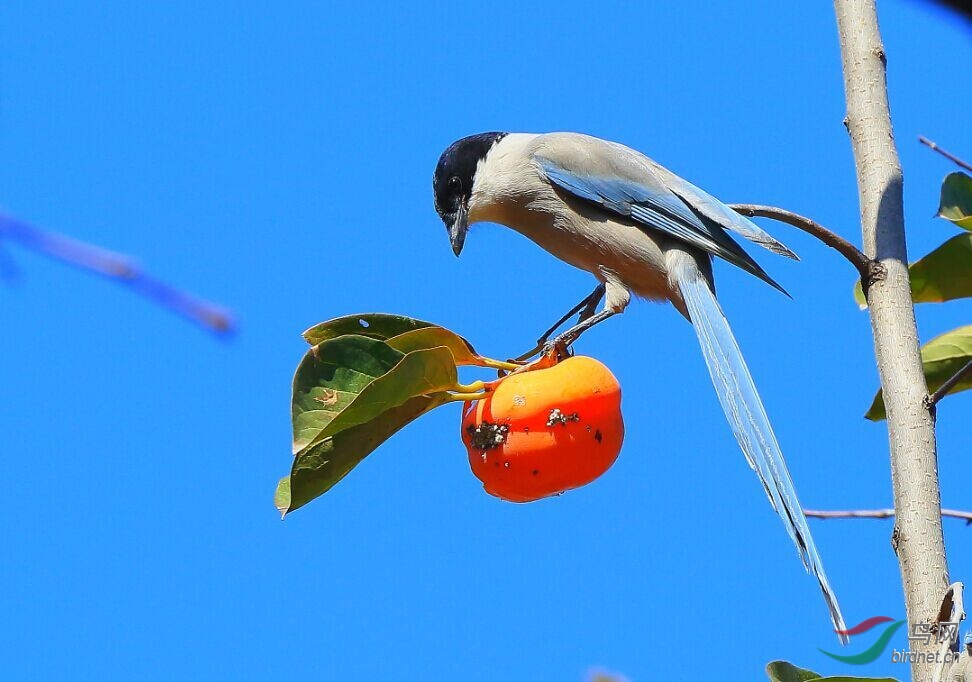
(433,335)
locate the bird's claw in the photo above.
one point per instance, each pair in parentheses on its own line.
(559,348)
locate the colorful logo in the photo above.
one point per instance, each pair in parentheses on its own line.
(872,652)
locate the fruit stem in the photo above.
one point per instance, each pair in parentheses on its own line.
(474,387)
(465,397)
(499,364)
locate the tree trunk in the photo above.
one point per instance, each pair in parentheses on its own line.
(917,537)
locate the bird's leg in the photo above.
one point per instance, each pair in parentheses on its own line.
(568,337)
(592,302)
(586,309)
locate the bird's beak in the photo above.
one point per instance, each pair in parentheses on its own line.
(458,229)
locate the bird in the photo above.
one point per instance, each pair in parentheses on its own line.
(640,230)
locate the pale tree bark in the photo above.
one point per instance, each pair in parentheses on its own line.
(917,537)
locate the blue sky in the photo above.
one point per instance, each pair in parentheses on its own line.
(278,159)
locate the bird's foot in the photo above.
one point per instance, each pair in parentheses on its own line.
(545,347)
(559,348)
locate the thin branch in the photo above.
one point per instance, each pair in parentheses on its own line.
(951,157)
(9,272)
(949,384)
(118,268)
(879,514)
(865,266)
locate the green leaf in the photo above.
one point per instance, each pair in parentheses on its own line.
(846,678)
(403,333)
(330,397)
(956,200)
(319,467)
(331,376)
(943,275)
(364,407)
(784,671)
(859,296)
(365,378)
(941,358)
(379,326)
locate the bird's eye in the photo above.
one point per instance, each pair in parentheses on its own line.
(455,184)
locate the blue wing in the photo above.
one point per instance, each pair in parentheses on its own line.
(746,415)
(649,203)
(718,212)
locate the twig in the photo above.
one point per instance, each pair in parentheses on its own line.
(949,384)
(119,268)
(879,514)
(951,157)
(867,267)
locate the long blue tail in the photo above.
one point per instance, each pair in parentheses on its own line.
(748,419)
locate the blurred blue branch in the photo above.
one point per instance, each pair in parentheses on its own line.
(114,266)
(9,272)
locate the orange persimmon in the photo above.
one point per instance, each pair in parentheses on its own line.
(541,432)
